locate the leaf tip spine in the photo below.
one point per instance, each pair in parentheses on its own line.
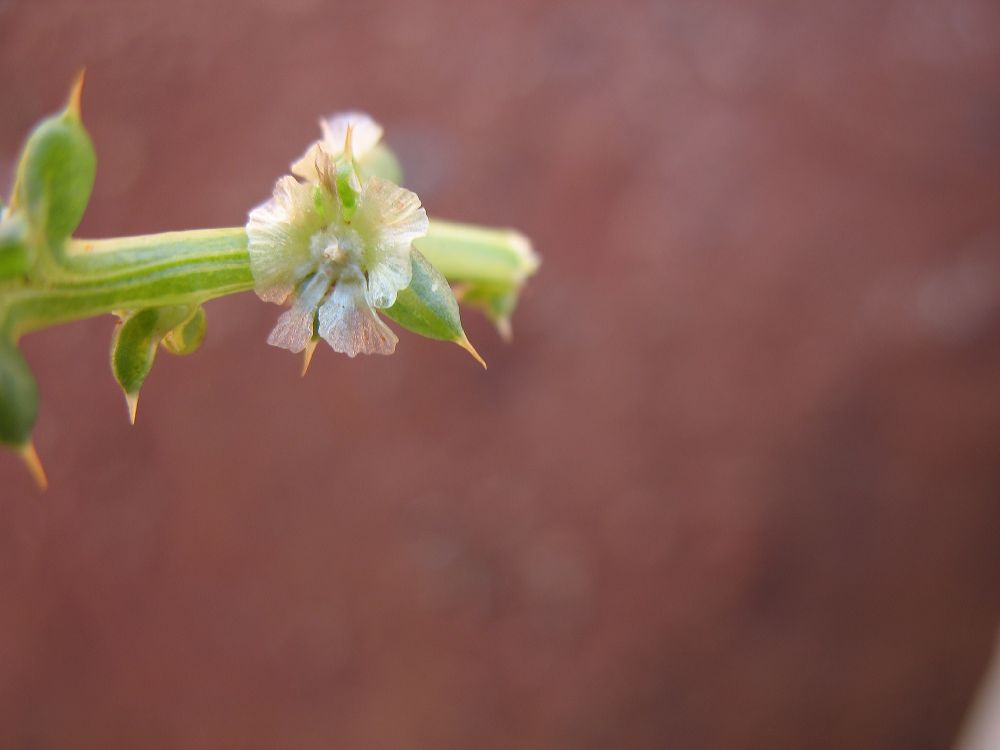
(75,93)
(132,403)
(463,341)
(29,457)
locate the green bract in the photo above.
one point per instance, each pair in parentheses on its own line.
(137,337)
(55,175)
(341,242)
(428,307)
(489,266)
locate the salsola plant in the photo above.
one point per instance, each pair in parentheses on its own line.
(340,243)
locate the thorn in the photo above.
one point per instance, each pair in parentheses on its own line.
(29,456)
(73,103)
(464,342)
(132,401)
(308,355)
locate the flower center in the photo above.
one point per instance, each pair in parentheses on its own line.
(340,249)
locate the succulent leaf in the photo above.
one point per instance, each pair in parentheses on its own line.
(428,307)
(56,174)
(134,345)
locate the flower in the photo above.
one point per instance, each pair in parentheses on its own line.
(366,133)
(339,248)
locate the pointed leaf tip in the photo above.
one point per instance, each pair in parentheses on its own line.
(29,457)
(55,175)
(464,342)
(307,355)
(75,93)
(132,402)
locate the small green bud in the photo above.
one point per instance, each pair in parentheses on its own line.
(133,347)
(56,173)
(187,337)
(428,307)
(347,181)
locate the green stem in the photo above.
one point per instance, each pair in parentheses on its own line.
(129,273)
(95,277)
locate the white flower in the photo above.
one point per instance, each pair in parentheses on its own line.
(366,133)
(339,247)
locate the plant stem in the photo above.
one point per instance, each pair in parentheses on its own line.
(95,277)
(129,273)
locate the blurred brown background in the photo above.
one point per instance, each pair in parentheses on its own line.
(735,483)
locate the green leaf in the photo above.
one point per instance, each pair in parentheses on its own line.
(133,347)
(187,337)
(428,307)
(18,397)
(56,174)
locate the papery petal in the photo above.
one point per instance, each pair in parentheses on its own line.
(324,165)
(389,275)
(388,219)
(278,234)
(294,329)
(365,133)
(350,325)
(305,165)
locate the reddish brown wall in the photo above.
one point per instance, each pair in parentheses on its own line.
(734,485)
